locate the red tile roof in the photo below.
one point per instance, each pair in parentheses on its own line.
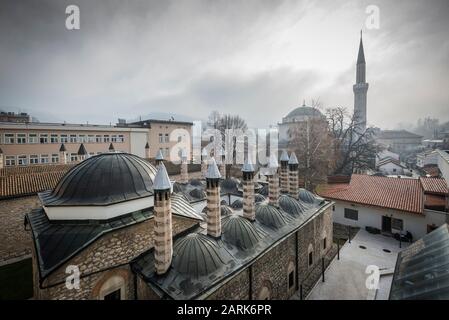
(434,185)
(394,193)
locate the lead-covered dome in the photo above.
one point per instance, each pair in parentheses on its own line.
(105,179)
(291,205)
(239,232)
(307,196)
(303,113)
(269,216)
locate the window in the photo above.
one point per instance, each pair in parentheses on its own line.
(310,258)
(161,139)
(44,158)
(22,160)
(98,138)
(64,138)
(397,224)
(55,158)
(43,138)
(351,214)
(333,207)
(324,244)
(394,170)
(91,138)
(10,161)
(81,138)
(114,138)
(114,295)
(9,138)
(21,138)
(106,138)
(167,138)
(179,138)
(73,157)
(291,279)
(54,138)
(120,138)
(73,138)
(32,138)
(34,159)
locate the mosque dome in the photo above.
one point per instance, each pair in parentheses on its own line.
(239,232)
(270,216)
(197,255)
(197,193)
(229,185)
(237,204)
(258,198)
(302,113)
(307,196)
(291,205)
(263,191)
(102,180)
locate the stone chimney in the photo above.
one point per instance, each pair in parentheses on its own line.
(82,152)
(147,151)
(2,164)
(213,200)
(163,237)
(293,175)
(204,163)
(184,169)
(273,181)
(249,210)
(111,148)
(62,154)
(159,157)
(284,171)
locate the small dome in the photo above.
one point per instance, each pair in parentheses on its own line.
(269,216)
(197,193)
(239,232)
(306,196)
(225,211)
(104,179)
(263,191)
(229,185)
(258,198)
(237,204)
(196,182)
(197,255)
(291,205)
(178,187)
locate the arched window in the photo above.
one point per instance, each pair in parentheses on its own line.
(324,239)
(112,286)
(265,291)
(291,276)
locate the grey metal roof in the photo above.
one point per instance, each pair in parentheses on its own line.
(422,269)
(230,185)
(62,148)
(82,150)
(259,198)
(180,206)
(291,205)
(161,181)
(212,170)
(293,159)
(159,155)
(237,204)
(270,216)
(240,232)
(284,156)
(103,179)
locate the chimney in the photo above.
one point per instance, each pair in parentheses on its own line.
(111,148)
(284,171)
(222,163)
(213,200)
(82,153)
(2,165)
(163,237)
(204,163)
(184,170)
(159,157)
(62,154)
(147,151)
(293,175)
(273,181)
(249,210)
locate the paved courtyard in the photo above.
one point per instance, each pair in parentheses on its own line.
(345,278)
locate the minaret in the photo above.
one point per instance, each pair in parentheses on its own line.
(82,153)
(249,210)
(163,237)
(62,154)
(360,89)
(147,151)
(159,157)
(273,181)
(213,200)
(284,171)
(204,163)
(184,170)
(293,175)
(2,164)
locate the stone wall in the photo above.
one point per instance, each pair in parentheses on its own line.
(112,251)
(15,242)
(236,289)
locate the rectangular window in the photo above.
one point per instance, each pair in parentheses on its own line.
(98,138)
(91,138)
(114,138)
(397,224)
(43,138)
(73,138)
(34,159)
(9,138)
(10,161)
(120,138)
(55,158)
(21,138)
(310,258)
(54,138)
(22,160)
(64,138)
(324,243)
(106,138)
(351,214)
(73,157)
(44,158)
(167,138)
(291,279)
(81,138)
(161,138)
(333,207)
(32,138)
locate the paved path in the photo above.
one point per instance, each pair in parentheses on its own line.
(345,278)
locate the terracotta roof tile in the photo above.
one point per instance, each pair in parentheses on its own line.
(434,185)
(395,193)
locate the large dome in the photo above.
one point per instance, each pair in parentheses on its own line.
(105,179)
(302,113)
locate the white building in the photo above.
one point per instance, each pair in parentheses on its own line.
(427,158)
(391,166)
(390,204)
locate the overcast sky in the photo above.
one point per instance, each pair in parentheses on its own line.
(257,58)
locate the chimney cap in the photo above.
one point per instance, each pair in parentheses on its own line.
(248,166)
(161,180)
(293,159)
(212,170)
(159,155)
(82,150)
(111,147)
(147,146)
(62,148)
(284,156)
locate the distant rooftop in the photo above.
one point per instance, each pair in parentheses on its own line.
(397,134)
